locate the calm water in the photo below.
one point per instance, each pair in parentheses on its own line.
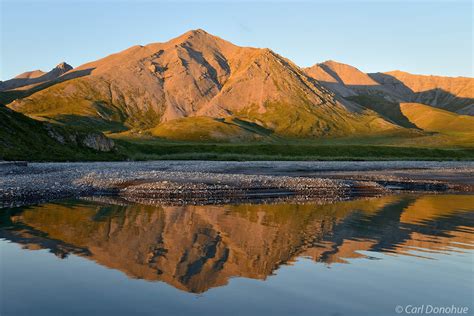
(361,257)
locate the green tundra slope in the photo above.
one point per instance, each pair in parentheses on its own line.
(22,138)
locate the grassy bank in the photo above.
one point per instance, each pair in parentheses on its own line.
(39,149)
(284,151)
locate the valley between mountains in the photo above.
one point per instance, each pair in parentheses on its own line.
(198,96)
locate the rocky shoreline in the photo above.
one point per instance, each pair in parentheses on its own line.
(181,182)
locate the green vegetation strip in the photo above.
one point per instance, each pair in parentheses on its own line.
(255,151)
(127,150)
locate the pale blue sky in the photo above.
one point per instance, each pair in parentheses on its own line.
(425,37)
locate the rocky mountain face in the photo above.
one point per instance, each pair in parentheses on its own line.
(93,140)
(31,78)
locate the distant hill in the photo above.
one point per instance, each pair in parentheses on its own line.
(34,77)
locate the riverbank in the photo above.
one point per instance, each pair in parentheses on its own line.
(215,181)
(322,150)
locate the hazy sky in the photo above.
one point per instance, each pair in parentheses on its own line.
(426,37)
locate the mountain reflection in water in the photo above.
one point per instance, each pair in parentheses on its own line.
(195,248)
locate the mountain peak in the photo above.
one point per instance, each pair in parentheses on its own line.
(63,66)
(197,35)
(347,74)
(330,61)
(192,33)
(198,31)
(336,64)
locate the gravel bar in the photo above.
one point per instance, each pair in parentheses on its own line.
(213,180)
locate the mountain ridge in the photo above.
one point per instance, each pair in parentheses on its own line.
(455,94)
(198,86)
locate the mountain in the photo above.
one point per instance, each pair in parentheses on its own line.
(199,87)
(34,77)
(447,93)
(24,138)
(245,93)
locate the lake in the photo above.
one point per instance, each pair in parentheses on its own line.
(103,256)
